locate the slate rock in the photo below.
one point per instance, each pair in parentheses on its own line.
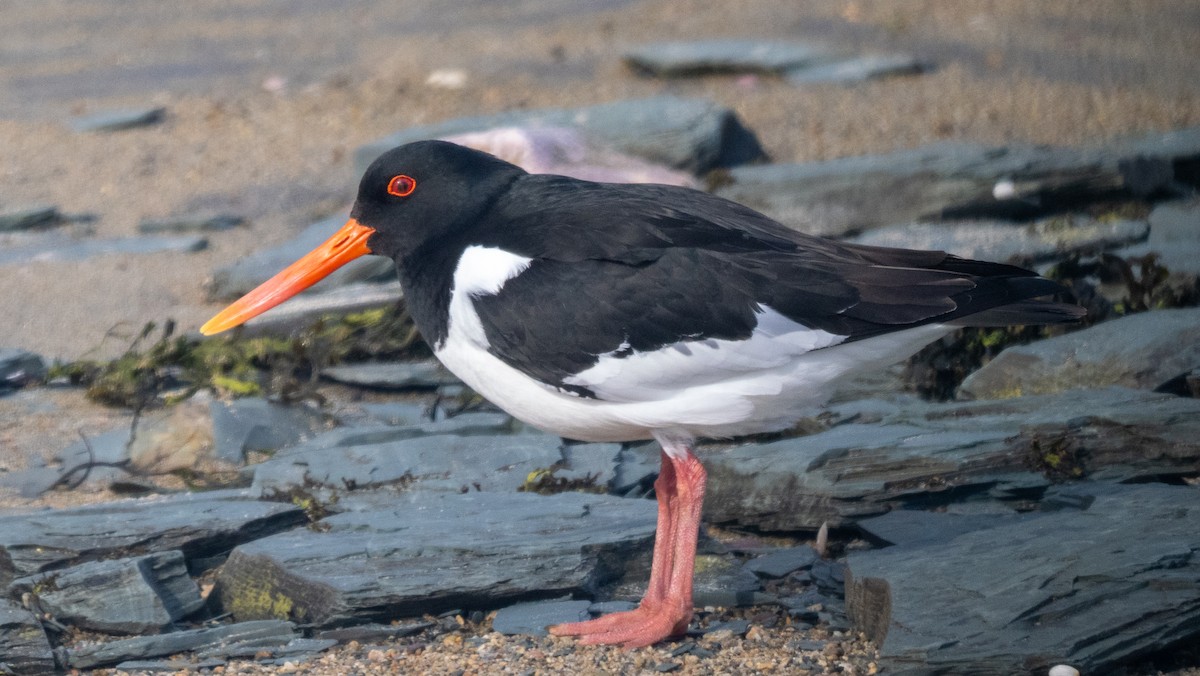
(173,666)
(372,632)
(637,468)
(200,525)
(393,375)
(449,462)
(428,552)
(779,563)
(856,69)
(25,217)
(949,180)
(720,580)
(913,526)
(532,618)
(253,424)
(190,223)
(55,249)
(1143,350)
(683,59)
(265,632)
(117,120)
(1174,237)
(24,648)
(143,594)
(920,453)
(1040,241)
(690,134)
(19,368)
(237,278)
(1095,588)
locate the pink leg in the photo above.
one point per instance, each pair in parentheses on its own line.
(666,608)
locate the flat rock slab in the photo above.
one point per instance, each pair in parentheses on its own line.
(429,374)
(239,277)
(252,424)
(691,134)
(425,553)
(117,120)
(143,594)
(20,367)
(57,250)
(1143,350)
(956,180)
(683,59)
(24,648)
(1041,241)
(211,639)
(191,223)
(1092,588)
(534,617)
(856,69)
(25,217)
(920,453)
(449,462)
(1174,237)
(201,525)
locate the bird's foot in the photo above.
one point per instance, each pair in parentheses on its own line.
(645,625)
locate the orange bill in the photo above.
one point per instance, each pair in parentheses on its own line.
(348,243)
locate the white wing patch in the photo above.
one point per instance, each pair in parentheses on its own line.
(481,271)
(746,366)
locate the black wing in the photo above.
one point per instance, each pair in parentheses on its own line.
(622,268)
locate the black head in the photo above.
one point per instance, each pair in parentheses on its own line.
(420,192)
(413,196)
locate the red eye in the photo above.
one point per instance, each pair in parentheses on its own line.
(402,185)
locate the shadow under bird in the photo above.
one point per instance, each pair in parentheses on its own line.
(615,312)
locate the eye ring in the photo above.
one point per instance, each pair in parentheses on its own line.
(402,185)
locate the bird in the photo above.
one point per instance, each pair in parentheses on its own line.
(611,312)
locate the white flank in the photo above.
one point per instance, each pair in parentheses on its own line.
(775,343)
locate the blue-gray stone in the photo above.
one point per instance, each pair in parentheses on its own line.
(24,647)
(1143,350)
(1094,588)
(692,134)
(426,552)
(25,217)
(779,563)
(55,249)
(116,120)
(856,69)
(682,59)
(19,368)
(201,525)
(917,453)
(1040,241)
(253,424)
(394,375)
(440,462)
(173,666)
(533,617)
(143,594)
(268,632)
(189,223)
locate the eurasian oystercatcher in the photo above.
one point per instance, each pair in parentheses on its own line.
(617,312)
